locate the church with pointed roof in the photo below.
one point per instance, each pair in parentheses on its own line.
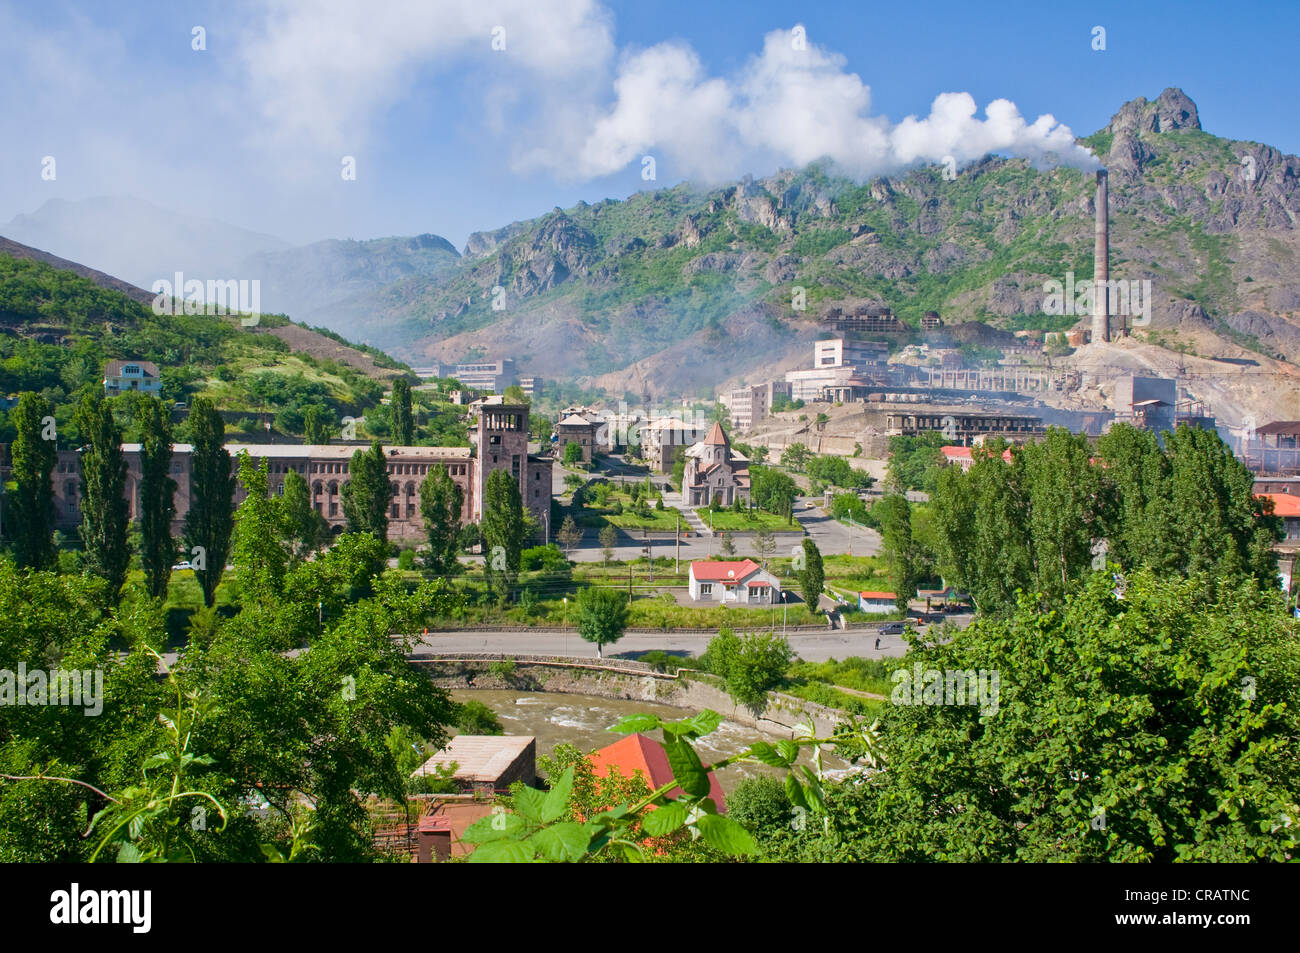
(715,472)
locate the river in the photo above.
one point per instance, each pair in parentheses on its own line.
(555,718)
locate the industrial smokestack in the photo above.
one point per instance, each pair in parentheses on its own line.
(1101,264)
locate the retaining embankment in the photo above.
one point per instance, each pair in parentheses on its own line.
(626,680)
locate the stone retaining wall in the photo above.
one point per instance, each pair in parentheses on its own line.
(632,681)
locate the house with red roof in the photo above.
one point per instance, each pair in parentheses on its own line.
(743,581)
(637,752)
(877,602)
(1287,506)
(961,456)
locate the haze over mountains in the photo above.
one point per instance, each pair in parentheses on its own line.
(691,287)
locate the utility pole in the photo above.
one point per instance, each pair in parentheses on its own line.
(677,546)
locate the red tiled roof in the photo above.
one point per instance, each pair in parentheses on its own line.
(639,753)
(721,571)
(759,585)
(717,436)
(1284,504)
(878,595)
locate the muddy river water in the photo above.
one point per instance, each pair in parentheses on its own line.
(580,720)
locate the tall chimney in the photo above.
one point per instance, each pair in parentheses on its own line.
(1101,264)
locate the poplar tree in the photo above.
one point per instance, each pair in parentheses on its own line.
(104,512)
(29,513)
(257,550)
(895,516)
(210,519)
(503,531)
(812,576)
(368,494)
(400,406)
(307,531)
(441,500)
(157,497)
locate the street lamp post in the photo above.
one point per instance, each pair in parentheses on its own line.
(566,625)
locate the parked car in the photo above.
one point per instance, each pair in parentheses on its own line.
(179,566)
(893,628)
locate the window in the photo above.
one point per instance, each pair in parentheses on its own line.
(410,510)
(334,509)
(396,511)
(706,588)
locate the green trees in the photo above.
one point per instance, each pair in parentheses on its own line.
(260,526)
(773,491)
(210,519)
(367,494)
(315,424)
(569,534)
(838,472)
(1156,727)
(503,531)
(602,616)
(899,551)
(572,454)
(812,575)
(750,666)
(795,456)
(306,528)
(1051,517)
(157,497)
(400,412)
(608,537)
(441,500)
(103,489)
(29,510)
(914,462)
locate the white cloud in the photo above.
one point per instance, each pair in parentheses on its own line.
(321,70)
(787,106)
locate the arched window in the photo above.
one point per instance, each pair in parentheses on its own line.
(316,488)
(394,488)
(410,488)
(334,487)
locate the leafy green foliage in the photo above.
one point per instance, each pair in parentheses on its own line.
(750,666)
(157,497)
(209,522)
(602,616)
(441,502)
(812,577)
(103,490)
(367,493)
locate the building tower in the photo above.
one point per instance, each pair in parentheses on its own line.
(502,445)
(1101,264)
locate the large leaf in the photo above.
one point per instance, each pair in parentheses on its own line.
(529,802)
(566,841)
(557,798)
(634,723)
(724,834)
(500,826)
(702,723)
(687,769)
(788,750)
(503,852)
(664,820)
(764,752)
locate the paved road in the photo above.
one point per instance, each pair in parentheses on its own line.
(813,648)
(832,536)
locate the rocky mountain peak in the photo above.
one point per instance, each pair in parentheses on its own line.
(1172,109)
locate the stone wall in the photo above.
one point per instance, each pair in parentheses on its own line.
(632,681)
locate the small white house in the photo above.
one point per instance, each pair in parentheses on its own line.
(743,582)
(877,602)
(122,376)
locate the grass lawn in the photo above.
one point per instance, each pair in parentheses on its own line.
(753,521)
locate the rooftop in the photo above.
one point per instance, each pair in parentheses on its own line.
(714,570)
(303,451)
(479,757)
(639,753)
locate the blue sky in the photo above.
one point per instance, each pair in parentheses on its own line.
(451,136)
